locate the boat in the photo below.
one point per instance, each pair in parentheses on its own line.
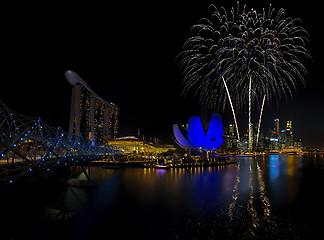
(161,166)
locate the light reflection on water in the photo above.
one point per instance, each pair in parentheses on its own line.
(247,199)
(273,197)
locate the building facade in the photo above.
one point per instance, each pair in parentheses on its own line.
(91,116)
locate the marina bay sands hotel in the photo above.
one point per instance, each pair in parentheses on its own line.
(91,116)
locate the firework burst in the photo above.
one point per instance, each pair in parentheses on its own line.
(257,55)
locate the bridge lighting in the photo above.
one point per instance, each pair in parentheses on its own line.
(71,147)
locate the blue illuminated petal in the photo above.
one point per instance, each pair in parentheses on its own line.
(181,140)
(214,134)
(196,134)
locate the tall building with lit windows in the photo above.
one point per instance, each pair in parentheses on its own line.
(289,135)
(91,116)
(276,136)
(276,128)
(230,138)
(274,139)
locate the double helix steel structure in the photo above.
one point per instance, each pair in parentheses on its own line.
(29,147)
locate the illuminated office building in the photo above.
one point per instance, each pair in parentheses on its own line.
(276,128)
(289,135)
(275,140)
(283,139)
(230,138)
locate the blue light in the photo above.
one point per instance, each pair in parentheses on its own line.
(213,138)
(214,134)
(274,166)
(196,133)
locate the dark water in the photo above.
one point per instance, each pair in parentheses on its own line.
(265,197)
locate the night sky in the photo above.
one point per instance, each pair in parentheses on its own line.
(126,52)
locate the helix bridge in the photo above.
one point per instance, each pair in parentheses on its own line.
(29,147)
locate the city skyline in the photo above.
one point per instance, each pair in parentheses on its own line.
(278,138)
(95,97)
(134,66)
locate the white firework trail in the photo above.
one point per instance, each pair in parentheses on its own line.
(259,125)
(234,116)
(250,124)
(243,45)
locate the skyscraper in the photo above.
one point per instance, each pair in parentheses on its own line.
(231,129)
(275,137)
(230,139)
(91,116)
(276,128)
(289,135)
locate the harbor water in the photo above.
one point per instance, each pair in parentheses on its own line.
(259,197)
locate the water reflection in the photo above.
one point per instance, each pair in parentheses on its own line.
(273,197)
(263,195)
(250,207)
(274,166)
(235,193)
(245,201)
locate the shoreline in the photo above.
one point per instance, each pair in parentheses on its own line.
(116,165)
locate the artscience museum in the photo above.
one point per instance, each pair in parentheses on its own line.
(206,139)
